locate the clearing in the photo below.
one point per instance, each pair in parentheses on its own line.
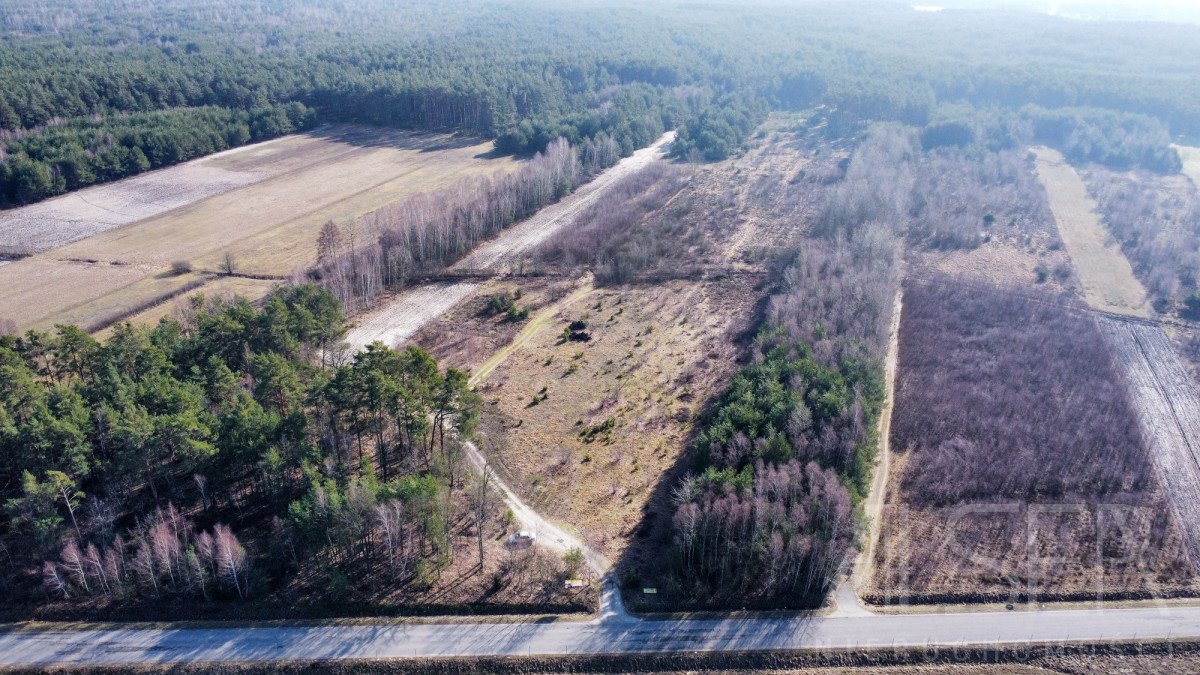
(1105,276)
(1191,162)
(268,226)
(399,318)
(591,401)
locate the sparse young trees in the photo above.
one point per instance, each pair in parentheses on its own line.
(990,404)
(621,207)
(1158,224)
(427,232)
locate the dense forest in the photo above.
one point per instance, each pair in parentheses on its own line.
(216,456)
(71,72)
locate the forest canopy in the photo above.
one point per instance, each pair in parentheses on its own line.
(70,71)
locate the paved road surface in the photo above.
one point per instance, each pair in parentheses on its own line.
(615,634)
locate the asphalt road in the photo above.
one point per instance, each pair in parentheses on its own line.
(617,633)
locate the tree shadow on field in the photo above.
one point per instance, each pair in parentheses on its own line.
(398,139)
(647,562)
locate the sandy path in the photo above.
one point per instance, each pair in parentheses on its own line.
(846,596)
(524,236)
(403,316)
(1168,411)
(1191,162)
(397,321)
(1105,275)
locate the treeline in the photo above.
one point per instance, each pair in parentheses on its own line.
(426,232)
(221,455)
(621,207)
(1158,226)
(1118,140)
(719,130)
(577,70)
(786,452)
(633,116)
(61,157)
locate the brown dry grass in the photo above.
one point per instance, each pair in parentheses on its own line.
(176,305)
(1005,260)
(612,414)
(269,227)
(1105,275)
(469,334)
(1022,552)
(35,292)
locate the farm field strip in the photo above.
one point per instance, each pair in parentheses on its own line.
(1191,162)
(1160,388)
(219,287)
(287,209)
(1105,275)
(62,220)
(524,236)
(71,217)
(270,227)
(403,316)
(1168,410)
(33,291)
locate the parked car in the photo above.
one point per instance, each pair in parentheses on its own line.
(522,539)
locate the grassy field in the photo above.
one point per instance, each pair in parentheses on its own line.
(268,226)
(1105,276)
(176,304)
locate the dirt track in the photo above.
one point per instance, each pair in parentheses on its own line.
(399,319)
(1168,409)
(494,255)
(1191,162)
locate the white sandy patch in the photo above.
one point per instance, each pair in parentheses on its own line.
(405,315)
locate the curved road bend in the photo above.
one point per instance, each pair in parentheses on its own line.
(617,634)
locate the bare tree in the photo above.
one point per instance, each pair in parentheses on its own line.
(479,498)
(231,559)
